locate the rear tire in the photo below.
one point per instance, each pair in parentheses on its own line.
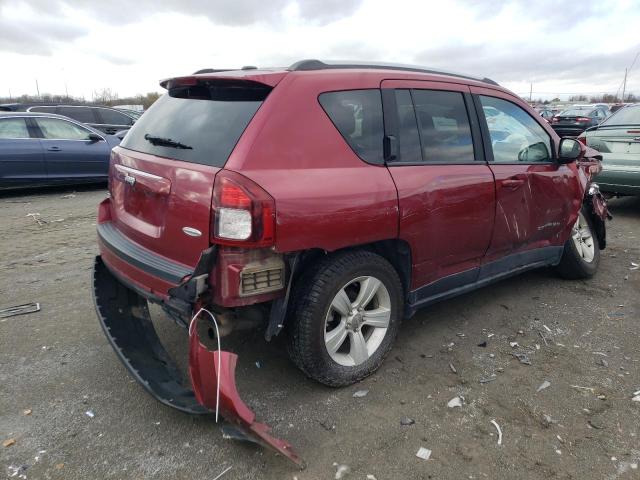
(346,313)
(581,255)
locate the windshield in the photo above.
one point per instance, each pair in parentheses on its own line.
(575,112)
(625,116)
(199,124)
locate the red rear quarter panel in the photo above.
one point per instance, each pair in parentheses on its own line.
(326,196)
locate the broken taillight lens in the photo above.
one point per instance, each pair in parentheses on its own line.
(243,214)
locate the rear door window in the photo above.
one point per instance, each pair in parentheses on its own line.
(444,126)
(198,124)
(81,114)
(433,127)
(357,114)
(13,128)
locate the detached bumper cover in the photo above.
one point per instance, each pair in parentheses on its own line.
(206,367)
(125,319)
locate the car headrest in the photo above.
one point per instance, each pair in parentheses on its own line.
(344,118)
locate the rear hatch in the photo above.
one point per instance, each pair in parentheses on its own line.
(620,149)
(618,145)
(162,174)
(570,117)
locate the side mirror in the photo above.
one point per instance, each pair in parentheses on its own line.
(537,152)
(569,151)
(94,137)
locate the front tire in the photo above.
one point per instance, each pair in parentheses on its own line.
(581,255)
(346,314)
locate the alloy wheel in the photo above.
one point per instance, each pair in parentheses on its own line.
(583,239)
(357,321)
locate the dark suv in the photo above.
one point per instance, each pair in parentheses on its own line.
(106,119)
(332,201)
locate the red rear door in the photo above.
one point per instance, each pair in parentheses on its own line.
(445,189)
(162,174)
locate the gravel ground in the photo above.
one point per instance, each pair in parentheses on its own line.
(57,365)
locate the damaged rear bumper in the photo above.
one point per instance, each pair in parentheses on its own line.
(124,316)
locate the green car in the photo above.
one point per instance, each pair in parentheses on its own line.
(618,139)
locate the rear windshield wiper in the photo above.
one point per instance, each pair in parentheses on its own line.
(166,142)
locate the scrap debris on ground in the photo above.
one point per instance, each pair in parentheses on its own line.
(573,413)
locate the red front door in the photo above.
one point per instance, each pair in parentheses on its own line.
(533,192)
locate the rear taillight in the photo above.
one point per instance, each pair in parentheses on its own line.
(582,140)
(583,119)
(243,214)
(112,161)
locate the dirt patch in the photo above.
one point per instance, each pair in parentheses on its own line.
(581,337)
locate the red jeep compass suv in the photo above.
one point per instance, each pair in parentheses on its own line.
(331,201)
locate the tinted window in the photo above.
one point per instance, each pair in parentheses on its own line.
(444,126)
(114,118)
(409,139)
(81,114)
(515,135)
(43,109)
(357,114)
(625,116)
(13,128)
(57,129)
(210,119)
(575,112)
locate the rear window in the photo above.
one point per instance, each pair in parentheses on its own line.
(357,114)
(197,124)
(576,112)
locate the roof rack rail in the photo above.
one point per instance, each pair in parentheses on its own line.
(312,64)
(213,70)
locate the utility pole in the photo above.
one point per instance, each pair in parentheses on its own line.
(66,90)
(10,95)
(37,88)
(530,92)
(624,84)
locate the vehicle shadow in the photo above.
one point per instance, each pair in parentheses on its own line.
(625,206)
(51,190)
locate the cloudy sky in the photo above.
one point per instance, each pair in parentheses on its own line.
(561,46)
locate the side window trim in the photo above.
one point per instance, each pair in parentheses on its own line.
(486,136)
(391,127)
(484,129)
(34,129)
(476,132)
(391,141)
